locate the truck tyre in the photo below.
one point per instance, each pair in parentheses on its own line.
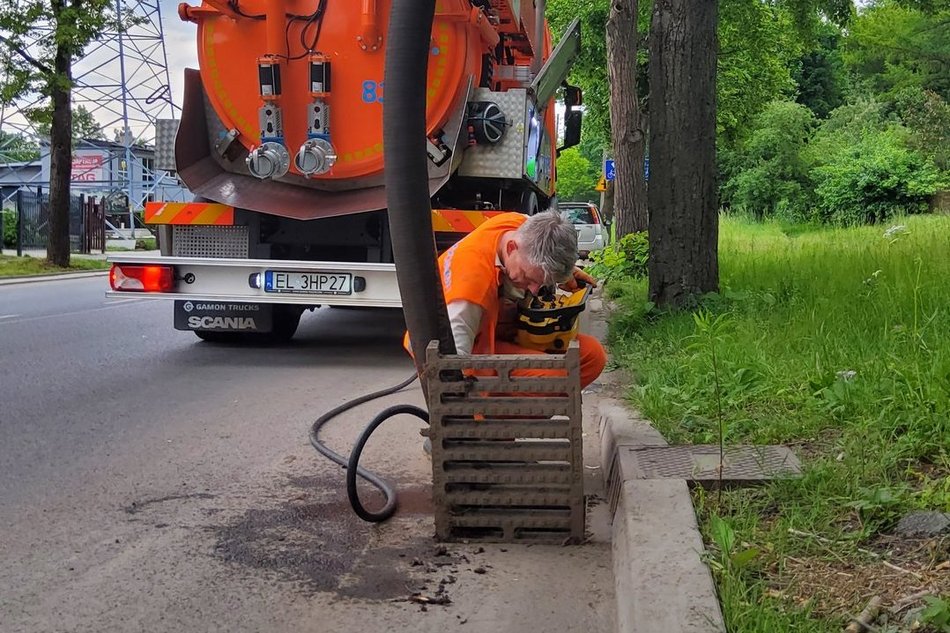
(286,320)
(529,202)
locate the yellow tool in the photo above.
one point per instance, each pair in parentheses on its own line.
(549,322)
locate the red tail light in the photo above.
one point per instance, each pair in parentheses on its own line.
(139,278)
(594,213)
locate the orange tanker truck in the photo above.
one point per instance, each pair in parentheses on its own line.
(281,142)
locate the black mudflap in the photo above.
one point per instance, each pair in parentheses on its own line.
(224,316)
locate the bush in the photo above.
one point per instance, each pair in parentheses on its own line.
(9,228)
(874,178)
(768,175)
(627,257)
(927,115)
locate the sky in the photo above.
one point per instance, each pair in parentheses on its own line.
(180,46)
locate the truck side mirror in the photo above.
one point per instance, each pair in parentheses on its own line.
(572,129)
(573,96)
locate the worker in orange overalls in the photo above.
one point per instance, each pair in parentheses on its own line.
(491,268)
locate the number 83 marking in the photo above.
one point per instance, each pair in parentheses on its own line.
(373,91)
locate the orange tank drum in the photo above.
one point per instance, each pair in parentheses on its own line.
(233,38)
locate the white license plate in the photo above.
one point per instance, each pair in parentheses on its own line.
(308,283)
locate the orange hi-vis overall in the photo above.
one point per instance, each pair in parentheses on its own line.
(470,273)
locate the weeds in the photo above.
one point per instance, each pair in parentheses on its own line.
(837,343)
(709,335)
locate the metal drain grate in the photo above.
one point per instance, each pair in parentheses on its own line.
(743,465)
(507,453)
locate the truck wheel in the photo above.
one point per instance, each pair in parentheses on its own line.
(286,320)
(220,337)
(529,202)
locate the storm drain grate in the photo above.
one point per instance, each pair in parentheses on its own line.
(507,453)
(743,465)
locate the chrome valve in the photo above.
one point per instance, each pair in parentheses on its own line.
(268,160)
(315,157)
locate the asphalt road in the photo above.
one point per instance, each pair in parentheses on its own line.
(153,482)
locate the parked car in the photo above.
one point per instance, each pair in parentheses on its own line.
(591,235)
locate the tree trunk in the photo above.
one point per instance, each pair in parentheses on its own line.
(607,208)
(60,157)
(630,194)
(684,220)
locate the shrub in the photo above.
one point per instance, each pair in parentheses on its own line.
(873,179)
(9,228)
(626,257)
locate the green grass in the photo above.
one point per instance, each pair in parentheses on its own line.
(833,341)
(12,266)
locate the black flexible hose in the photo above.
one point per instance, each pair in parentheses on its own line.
(407,177)
(353,466)
(388,492)
(410,214)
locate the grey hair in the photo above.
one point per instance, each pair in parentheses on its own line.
(549,240)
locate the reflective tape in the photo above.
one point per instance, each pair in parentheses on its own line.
(455,221)
(189,213)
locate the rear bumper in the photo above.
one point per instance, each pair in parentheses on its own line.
(232,280)
(588,246)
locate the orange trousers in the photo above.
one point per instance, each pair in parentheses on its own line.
(592,355)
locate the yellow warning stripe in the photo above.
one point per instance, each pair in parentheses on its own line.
(455,221)
(189,213)
(443,220)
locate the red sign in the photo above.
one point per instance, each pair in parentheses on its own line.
(88,168)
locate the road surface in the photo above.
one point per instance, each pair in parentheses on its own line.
(153,482)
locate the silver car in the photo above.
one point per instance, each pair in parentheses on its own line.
(590,230)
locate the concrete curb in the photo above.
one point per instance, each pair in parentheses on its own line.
(661,582)
(9,281)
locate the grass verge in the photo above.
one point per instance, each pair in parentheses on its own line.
(12,266)
(836,342)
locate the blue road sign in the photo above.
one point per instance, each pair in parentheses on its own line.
(609,169)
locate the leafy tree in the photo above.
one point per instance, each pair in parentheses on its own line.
(607,70)
(628,132)
(576,176)
(16,148)
(43,39)
(820,74)
(810,16)
(756,46)
(927,115)
(590,69)
(772,175)
(85,126)
(892,47)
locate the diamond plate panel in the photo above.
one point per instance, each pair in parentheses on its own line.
(210,241)
(165,132)
(743,465)
(506,158)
